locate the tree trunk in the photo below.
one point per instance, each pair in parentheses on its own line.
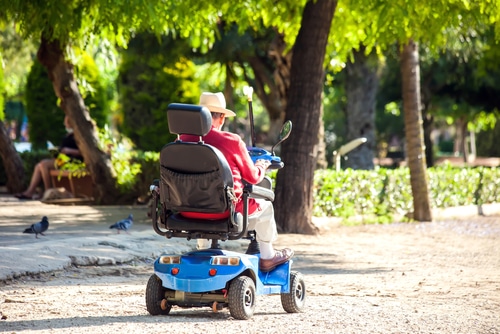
(294,187)
(410,71)
(361,91)
(321,162)
(98,163)
(473,150)
(461,139)
(428,123)
(12,162)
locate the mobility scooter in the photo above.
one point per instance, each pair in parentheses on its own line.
(195,177)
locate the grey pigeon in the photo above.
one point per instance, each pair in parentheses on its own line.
(124,224)
(39,227)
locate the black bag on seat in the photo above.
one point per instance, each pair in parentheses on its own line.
(195,177)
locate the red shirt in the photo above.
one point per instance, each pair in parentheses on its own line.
(242,167)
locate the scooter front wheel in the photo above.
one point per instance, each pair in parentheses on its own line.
(155,297)
(241,297)
(293,301)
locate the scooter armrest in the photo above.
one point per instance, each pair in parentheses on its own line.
(259,192)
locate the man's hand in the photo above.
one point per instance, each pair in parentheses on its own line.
(263,162)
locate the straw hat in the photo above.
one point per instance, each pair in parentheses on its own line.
(215,102)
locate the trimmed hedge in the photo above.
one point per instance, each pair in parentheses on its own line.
(384,193)
(376,195)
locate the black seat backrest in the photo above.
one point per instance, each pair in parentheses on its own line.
(195,176)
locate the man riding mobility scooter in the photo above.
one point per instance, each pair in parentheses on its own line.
(195,177)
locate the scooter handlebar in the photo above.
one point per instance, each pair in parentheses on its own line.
(276,165)
(257,153)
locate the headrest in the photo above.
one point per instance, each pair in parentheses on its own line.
(188,119)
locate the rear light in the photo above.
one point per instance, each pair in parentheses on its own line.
(166,259)
(174,271)
(225,261)
(212,272)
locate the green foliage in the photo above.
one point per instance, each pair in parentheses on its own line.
(93,88)
(450,186)
(454,87)
(374,196)
(379,196)
(45,118)
(149,170)
(486,142)
(446,146)
(106,58)
(334,118)
(366,193)
(388,116)
(489,190)
(135,171)
(75,22)
(125,164)
(16,59)
(126,170)
(75,167)
(436,25)
(122,158)
(149,82)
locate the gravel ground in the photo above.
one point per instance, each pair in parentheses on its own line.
(441,277)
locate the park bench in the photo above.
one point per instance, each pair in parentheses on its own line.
(79,186)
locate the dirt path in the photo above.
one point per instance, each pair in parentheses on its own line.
(442,277)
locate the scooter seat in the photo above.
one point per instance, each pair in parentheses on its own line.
(178,222)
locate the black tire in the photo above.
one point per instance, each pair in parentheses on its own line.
(241,297)
(293,302)
(155,293)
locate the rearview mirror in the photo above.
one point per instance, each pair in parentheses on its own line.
(285,131)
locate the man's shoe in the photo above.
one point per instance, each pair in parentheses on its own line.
(280,256)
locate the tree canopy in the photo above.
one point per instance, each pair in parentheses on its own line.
(304,24)
(73,22)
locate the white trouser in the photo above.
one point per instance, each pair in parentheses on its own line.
(262,221)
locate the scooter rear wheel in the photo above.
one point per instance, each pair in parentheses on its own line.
(155,294)
(241,297)
(293,301)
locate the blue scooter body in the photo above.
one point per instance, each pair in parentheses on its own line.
(213,277)
(212,269)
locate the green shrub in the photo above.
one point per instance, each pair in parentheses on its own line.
(149,170)
(134,169)
(383,193)
(45,117)
(446,146)
(372,196)
(93,89)
(148,83)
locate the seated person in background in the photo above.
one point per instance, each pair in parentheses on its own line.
(261,212)
(41,172)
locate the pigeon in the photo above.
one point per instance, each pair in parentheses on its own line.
(124,224)
(39,227)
